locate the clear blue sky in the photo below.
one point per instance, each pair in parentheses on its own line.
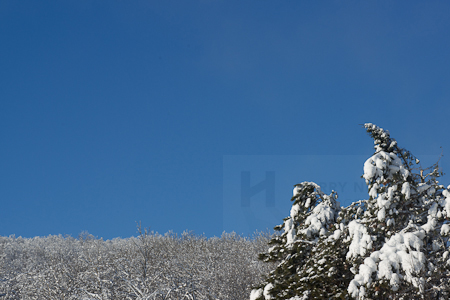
(113,112)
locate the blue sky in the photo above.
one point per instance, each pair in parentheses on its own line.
(113,112)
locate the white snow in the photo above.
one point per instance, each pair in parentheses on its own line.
(383,165)
(401,253)
(422,187)
(391,191)
(433,210)
(381,214)
(337,234)
(267,290)
(395,282)
(390,222)
(294,210)
(255,294)
(290,231)
(445,229)
(361,240)
(353,288)
(308,202)
(446,203)
(429,226)
(406,190)
(382,202)
(321,215)
(374,191)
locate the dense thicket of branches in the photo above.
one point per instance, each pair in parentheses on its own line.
(150,266)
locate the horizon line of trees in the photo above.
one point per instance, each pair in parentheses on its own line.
(149,266)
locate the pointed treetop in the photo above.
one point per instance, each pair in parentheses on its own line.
(381,137)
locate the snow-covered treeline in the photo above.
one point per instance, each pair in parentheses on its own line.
(150,266)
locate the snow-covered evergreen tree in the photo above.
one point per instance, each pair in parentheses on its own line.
(392,246)
(399,246)
(312,215)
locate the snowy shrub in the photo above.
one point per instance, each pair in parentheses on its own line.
(394,245)
(150,266)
